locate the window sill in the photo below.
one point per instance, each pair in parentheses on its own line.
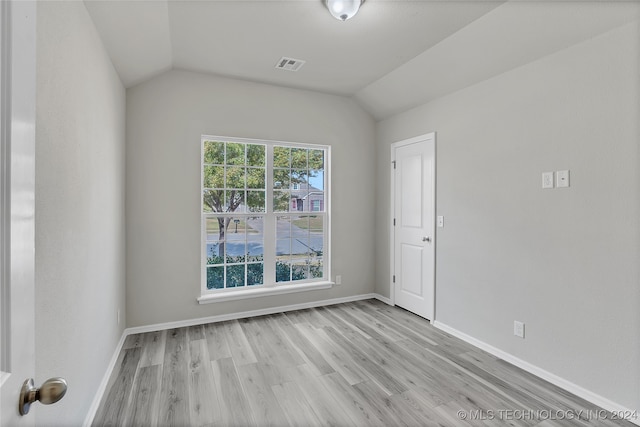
(262,292)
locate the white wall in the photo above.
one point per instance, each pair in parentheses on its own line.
(564,261)
(79,208)
(166,117)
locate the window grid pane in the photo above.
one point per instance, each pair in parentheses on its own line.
(234,251)
(234,185)
(304,178)
(299,247)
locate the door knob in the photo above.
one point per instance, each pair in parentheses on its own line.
(50,392)
(426,239)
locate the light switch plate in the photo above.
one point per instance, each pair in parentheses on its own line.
(547,179)
(562,179)
(440,221)
(518,329)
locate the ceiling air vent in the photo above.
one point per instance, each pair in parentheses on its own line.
(289,64)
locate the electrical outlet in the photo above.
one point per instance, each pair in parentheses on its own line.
(547,179)
(518,329)
(338,280)
(562,179)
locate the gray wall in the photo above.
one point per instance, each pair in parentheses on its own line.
(79,208)
(166,117)
(564,261)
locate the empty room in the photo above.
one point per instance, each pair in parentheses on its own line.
(320,212)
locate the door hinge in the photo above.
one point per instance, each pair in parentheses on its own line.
(394,163)
(394,278)
(394,222)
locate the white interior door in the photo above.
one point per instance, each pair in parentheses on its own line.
(414,230)
(17,177)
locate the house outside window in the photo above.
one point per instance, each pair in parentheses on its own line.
(256,226)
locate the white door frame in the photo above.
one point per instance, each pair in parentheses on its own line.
(392,233)
(17,167)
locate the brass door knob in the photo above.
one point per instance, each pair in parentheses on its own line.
(50,392)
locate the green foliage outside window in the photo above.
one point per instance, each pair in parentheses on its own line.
(284,272)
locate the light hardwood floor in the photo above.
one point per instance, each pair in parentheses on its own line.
(355,364)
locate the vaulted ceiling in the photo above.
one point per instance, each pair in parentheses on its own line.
(392,56)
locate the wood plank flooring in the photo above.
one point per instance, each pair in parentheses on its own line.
(356,364)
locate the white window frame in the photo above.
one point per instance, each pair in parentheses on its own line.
(270,287)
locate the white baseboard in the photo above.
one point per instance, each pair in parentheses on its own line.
(103,384)
(587,395)
(383,299)
(245,314)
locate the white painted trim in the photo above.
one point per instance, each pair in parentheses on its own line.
(222,138)
(245,314)
(3,377)
(554,379)
(383,299)
(5,188)
(394,146)
(262,291)
(392,227)
(93,409)
(419,138)
(434,209)
(270,217)
(328,205)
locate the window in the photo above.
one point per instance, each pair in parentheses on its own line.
(264,221)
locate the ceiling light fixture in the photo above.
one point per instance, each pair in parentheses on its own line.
(343,9)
